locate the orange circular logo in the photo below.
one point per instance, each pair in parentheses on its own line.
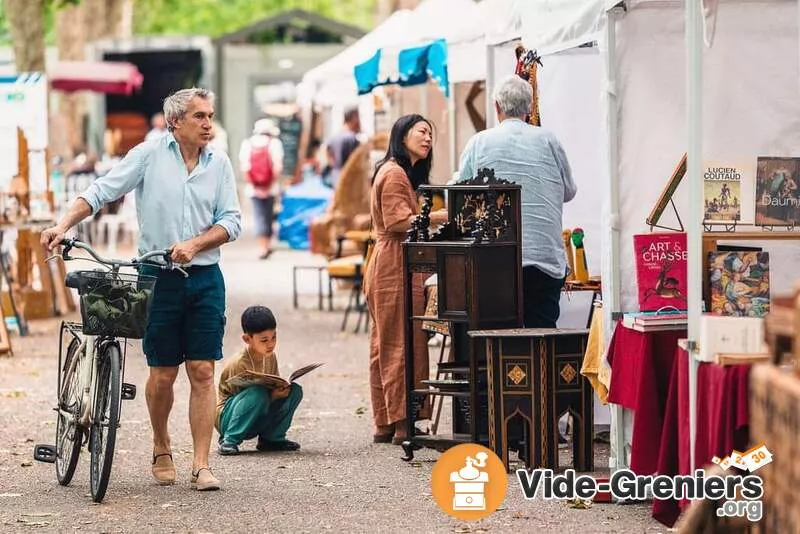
(469,482)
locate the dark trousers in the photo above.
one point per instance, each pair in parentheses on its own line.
(540,298)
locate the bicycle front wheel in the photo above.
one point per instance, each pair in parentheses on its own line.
(105,420)
(68,434)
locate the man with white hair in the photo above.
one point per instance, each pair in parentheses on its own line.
(261,163)
(532,157)
(186,201)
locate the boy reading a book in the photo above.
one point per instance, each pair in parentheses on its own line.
(264,409)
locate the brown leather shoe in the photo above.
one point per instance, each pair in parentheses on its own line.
(164,469)
(204,480)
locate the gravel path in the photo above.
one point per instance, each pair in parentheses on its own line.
(338,482)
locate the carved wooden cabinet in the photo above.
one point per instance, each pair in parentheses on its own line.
(476,256)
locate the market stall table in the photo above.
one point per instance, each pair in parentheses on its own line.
(722,422)
(641,364)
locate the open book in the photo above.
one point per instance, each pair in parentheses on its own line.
(252,378)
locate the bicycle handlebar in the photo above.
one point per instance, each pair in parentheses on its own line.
(166,255)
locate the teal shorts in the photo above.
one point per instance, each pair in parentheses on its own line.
(186,320)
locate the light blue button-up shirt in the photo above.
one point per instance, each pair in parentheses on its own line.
(533,158)
(172,205)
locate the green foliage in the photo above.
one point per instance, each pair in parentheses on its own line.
(214,17)
(219,17)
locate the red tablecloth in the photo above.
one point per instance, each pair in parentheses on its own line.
(641,367)
(722,422)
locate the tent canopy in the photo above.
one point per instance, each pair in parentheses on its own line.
(333,81)
(551,26)
(115,77)
(433,25)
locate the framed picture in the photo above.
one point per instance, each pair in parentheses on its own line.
(666,198)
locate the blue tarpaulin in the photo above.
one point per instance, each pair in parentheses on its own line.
(419,63)
(414,67)
(300,205)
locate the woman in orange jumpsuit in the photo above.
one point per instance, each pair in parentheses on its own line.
(394,205)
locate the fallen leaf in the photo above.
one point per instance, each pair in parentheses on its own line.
(28,440)
(15,394)
(461,529)
(361,410)
(416,464)
(26,464)
(580,504)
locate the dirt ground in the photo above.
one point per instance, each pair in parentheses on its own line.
(338,482)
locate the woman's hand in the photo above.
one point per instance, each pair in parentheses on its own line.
(439,217)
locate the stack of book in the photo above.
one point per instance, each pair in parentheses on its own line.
(655,321)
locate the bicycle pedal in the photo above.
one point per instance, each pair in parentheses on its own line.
(45,453)
(128,391)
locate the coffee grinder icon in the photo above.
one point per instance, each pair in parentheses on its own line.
(469,484)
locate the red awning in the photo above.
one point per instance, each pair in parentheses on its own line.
(115,77)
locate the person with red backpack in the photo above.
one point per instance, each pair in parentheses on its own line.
(261,163)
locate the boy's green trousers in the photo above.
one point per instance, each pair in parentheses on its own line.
(252,412)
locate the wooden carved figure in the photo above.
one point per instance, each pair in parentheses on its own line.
(527,63)
(566,235)
(581,268)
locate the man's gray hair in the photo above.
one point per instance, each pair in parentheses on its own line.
(175,104)
(514,96)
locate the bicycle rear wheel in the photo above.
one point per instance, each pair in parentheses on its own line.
(105,420)
(69,435)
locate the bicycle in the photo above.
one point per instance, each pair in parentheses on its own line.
(90,386)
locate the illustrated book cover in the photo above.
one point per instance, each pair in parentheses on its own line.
(777,194)
(660,270)
(722,191)
(252,378)
(739,283)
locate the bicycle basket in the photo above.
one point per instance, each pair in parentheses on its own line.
(115,304)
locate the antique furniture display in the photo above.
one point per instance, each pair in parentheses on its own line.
(534,378)
(476,256)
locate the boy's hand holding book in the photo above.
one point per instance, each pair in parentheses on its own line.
(280,392)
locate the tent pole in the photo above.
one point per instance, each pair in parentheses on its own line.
(451,130)
(611,283)
(694,123)
(491,119)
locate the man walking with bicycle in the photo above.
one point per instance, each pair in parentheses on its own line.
(187,201)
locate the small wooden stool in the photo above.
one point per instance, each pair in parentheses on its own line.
(534,374)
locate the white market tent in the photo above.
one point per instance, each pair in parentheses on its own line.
(333,82)
(749,108)
(430,21)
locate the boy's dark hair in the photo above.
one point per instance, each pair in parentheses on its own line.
(257,319)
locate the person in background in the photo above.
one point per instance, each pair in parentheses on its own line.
(532,157)
(219,137)
(261,163)
(394,204)
(158,127)
(341,145)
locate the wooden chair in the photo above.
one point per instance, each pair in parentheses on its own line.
(351,269)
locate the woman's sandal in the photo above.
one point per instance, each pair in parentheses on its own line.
(384,434)
(164,474)
(399,439)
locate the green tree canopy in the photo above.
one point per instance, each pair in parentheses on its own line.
(215,17)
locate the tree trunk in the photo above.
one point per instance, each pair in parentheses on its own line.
(26,20)
(70,40)
(75,27)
